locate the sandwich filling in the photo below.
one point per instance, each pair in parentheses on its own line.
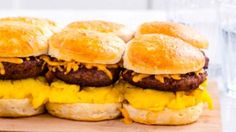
(21,78)
(155,100)
(168,82)
(94,75)
(156,92)
(35,89)
(20,68)
(165,82)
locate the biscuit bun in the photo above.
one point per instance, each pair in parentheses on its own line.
(86,46)
(45,24)
(161,54)
(165,117)
(84,111)
(105,27)
(23,37)
(180,31)
(18,108)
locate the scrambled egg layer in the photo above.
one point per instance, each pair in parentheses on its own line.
(67,93)
(154,100)
(59,92)
(35,89)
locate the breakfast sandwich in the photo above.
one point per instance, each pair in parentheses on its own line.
(84,71)
(165,81)
(23,90)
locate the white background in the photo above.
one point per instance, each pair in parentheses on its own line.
(83,4)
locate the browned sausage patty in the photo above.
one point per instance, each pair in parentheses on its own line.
(187,82)
(27,69)
(89,77)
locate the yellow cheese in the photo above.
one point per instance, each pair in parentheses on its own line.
(60,69)
(139,77)
(35,89)
(72,65)
(28,59)
(176,76)
(51,63)
(158,100)
(160,78)
(100,67)
(2,70)
(11,60)
(68,93)
(127,119)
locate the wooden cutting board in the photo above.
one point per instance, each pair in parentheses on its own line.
(209,122)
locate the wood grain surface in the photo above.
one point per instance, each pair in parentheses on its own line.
(210,121)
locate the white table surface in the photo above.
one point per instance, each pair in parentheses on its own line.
(131,19)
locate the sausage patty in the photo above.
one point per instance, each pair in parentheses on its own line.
(27,69)
(187,82)
(89,77)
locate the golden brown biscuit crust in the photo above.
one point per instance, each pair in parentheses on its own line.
(177,30)
(119,30)
(86,46)
(161,54)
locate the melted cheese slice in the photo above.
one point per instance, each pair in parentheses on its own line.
(158,100)
(68,93)
(35,89)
